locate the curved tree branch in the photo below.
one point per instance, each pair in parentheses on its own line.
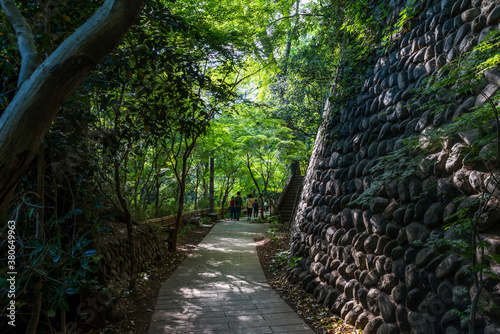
(28,117)
(25,40)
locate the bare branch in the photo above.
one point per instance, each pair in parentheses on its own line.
(25,40)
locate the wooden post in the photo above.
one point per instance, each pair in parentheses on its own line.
(212,187)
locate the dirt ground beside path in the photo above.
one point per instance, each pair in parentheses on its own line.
(319,318)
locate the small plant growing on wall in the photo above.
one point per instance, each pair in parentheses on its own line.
(479,128)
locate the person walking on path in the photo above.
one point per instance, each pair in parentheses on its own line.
(249,206)
(255,208)
(238,201)
(232,210)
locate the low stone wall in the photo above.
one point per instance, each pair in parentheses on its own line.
(362,261)
(115,262)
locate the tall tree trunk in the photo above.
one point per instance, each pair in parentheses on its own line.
(204,182)
(130,229)
(180,208)
(212,186)
(157,199)
(196,188)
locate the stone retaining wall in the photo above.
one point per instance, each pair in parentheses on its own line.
(115,262)
(362,261)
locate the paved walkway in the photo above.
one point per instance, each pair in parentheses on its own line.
(221,288)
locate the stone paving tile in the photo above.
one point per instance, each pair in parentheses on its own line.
(171,327)
(288,329)
(221,288)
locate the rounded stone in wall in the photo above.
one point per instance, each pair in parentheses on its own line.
(380,263)
(378,225)
(387,308)
(389,247)
(399,215)
(476,180)
(421,44)
(434,215)
(403,190)
(494,16)
(429,37)
(461,297)
(449,42)
(429,53)
(431,266)
(419,70)
(401,111)
(416,232)
(454,161)
(372,300)
(397,252)
(485,33)
(438,35)
(463,31)
(370,262)
(452,319)
(476,3)
(430,66)
(387,282)
(413,299)
(399,293)
(367,214)
(391,96)
(349,289)
(387,266)
(363,320)
(373,325)
(445,292)
(408,93)
(392,80)
(372,278)
(478,24)
(424,256)
(402,237)
(388,329)
(372,150)
(403,80)
(353,314)
(438,48)
(457,21)
(339,303)
(360,260)
(448,27)
(330,298)
(348,237)
(384,132)
(448,266)
(468,43)
(420,208)
(470,14)
(409,214)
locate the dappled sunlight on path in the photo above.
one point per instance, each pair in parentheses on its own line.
(221,288)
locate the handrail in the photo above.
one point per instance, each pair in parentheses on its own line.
(169,220)
(284,192)
(295,203)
